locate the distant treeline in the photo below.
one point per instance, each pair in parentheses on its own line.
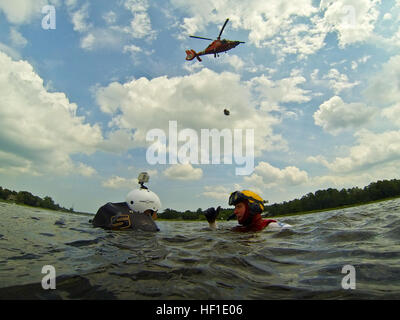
(332,198)
(192,215)
(320,200)
(27,198)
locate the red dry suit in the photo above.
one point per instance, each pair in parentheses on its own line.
(257,224)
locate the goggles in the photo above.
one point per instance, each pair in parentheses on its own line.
(238,196)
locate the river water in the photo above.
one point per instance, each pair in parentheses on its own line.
(186,260)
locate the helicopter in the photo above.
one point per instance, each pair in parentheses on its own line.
(215,47)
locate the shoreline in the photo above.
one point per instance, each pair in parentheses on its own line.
(331,209)
(41,208)
(204,220)
(297,213)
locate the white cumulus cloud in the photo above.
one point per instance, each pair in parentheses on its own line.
(117,182)
(79,18)
(384,86)
(372,149)
(339,81)
(353,20)
(267,176)
(140,25)
(195,101)
(335,115)
(286,27)
(24,11)
(183,172)
(17,38)
(217,192)
(31,140)
(392,113)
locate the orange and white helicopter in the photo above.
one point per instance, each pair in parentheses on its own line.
(215,47)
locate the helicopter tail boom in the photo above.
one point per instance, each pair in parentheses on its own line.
(191,54)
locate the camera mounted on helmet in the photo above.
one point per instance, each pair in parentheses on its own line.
(143,178)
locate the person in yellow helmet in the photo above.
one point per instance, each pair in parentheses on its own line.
(248,208)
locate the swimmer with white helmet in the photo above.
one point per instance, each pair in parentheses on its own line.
(138,212)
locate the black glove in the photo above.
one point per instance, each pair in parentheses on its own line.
(211,214)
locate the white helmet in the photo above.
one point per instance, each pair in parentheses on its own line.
(140,200)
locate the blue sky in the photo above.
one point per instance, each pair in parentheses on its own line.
(317,81)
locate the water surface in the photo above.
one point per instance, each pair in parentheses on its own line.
(186,260)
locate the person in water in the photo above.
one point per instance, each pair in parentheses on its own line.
(248,208)
(138,212)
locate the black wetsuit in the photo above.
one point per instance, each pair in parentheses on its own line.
(118,216)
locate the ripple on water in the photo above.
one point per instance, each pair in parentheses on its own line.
(47,234)
(68,287)
(188,261)
(350,236)
(82,243)
(59,222)
(285,233)
(28,256)
(178,239)
(393,234)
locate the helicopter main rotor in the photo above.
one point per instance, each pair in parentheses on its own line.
(219,36)
(223,27)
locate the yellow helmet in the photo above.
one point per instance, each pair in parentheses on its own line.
(256,203)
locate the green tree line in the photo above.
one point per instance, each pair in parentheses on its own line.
(192,215)
(333,198)
(320,200)
(27,198)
